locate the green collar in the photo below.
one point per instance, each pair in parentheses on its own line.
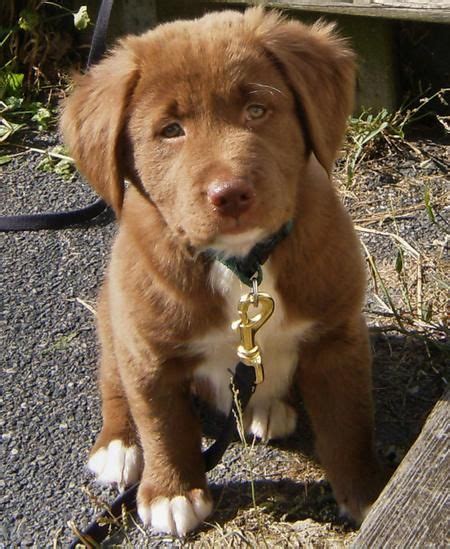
(245,268)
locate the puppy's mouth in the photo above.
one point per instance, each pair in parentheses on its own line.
(237,242)
(234,240)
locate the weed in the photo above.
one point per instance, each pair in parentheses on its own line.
(428,206)
(53,160)
(64,341)
(56,162)
(369,133)
(115,524)
(411,304)
(408,290)
(248,450)
(365,134)
(16,114)
(36,45)
(37,39)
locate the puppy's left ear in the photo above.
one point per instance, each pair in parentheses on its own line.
(319,68)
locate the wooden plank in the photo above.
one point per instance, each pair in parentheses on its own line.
(421,4)
(434,11)
(413,509)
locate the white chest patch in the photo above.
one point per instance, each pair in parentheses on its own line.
(278,341)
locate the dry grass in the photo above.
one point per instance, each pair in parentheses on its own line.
(399,204)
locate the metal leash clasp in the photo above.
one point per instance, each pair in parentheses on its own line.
(247,325)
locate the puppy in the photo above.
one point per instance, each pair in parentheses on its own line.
(226,128)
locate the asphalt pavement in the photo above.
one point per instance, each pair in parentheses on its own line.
(50,402)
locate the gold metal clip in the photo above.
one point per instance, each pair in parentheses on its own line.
(248,351)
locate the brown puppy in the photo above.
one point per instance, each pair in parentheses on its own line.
(226,128)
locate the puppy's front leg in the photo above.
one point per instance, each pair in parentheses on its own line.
(335,381)
(116,457)
(173,496)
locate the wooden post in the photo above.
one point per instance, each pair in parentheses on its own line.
(413,509)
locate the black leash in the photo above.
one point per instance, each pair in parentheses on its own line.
(98,45)
(60,220)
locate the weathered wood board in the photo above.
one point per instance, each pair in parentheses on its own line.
(413,510)
(417,10)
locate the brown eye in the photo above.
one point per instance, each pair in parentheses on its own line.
(254,112)
(172,130)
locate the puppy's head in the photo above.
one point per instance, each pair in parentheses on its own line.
(214,120)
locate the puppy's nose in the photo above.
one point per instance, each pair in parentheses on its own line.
(231,198)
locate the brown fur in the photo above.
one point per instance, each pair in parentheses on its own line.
(156,299)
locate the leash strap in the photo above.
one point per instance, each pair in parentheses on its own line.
(60,220)
(98,45)
(242,386)
(53,220)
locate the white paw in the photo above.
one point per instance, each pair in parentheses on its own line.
(275,420)
(117,464)
(178,515)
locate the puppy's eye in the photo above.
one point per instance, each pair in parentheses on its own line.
(255,112)
(172,130)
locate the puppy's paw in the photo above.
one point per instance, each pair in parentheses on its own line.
(177,515)
(356,516)
(274,420)
(117,464)
(356,496)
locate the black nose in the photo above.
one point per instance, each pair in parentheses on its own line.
(232,197)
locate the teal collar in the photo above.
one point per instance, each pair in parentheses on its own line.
(249,268)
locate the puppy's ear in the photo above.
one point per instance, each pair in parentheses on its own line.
(319,68)
(93,119)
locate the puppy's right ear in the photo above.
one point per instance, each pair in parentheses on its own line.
(93,119)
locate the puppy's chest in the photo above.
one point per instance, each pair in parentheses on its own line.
(278,341)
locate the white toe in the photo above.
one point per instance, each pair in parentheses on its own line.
(259,422)
(176,516)
(276,420)
(117,464)
(202,505)
(183,515)
(97,461)
(145,514)
(160,515)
